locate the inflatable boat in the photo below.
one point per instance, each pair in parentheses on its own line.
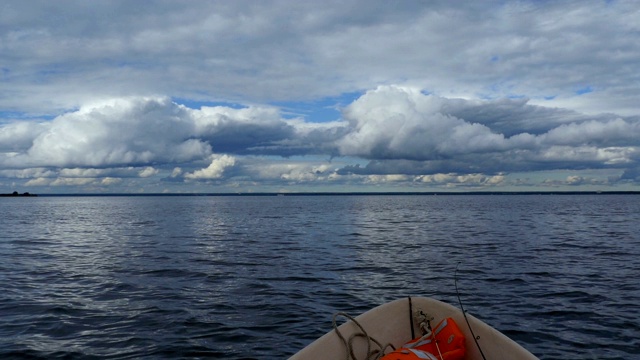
(413,328)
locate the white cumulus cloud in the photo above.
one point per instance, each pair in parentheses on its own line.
(148,171)
(215,170)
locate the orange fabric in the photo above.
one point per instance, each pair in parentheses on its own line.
(447,335)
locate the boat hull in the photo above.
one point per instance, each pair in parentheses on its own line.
(392,323)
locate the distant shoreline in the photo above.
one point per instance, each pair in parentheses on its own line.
(16,194)
(417,193)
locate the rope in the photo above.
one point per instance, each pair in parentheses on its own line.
(375,354)
(413,335)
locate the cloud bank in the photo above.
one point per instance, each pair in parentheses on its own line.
(391,134)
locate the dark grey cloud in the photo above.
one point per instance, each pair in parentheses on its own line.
(241,131)
(631,174)
(512,116)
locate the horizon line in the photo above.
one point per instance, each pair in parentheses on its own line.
(352,193)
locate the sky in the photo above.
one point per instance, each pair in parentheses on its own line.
(300,96)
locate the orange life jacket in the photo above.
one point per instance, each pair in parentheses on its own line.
(447,336)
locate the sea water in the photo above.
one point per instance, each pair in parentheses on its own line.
(261,276)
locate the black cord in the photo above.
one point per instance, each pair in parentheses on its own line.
(413,335)
(464,313)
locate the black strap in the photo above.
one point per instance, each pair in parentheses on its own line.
(411,319)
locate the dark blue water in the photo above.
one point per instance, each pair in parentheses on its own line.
(260,277)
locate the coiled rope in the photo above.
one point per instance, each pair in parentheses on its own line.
(372,354)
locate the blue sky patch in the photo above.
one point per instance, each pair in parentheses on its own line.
(584,90)
(516,96)
(17,115)
(323,110)
(197,104)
